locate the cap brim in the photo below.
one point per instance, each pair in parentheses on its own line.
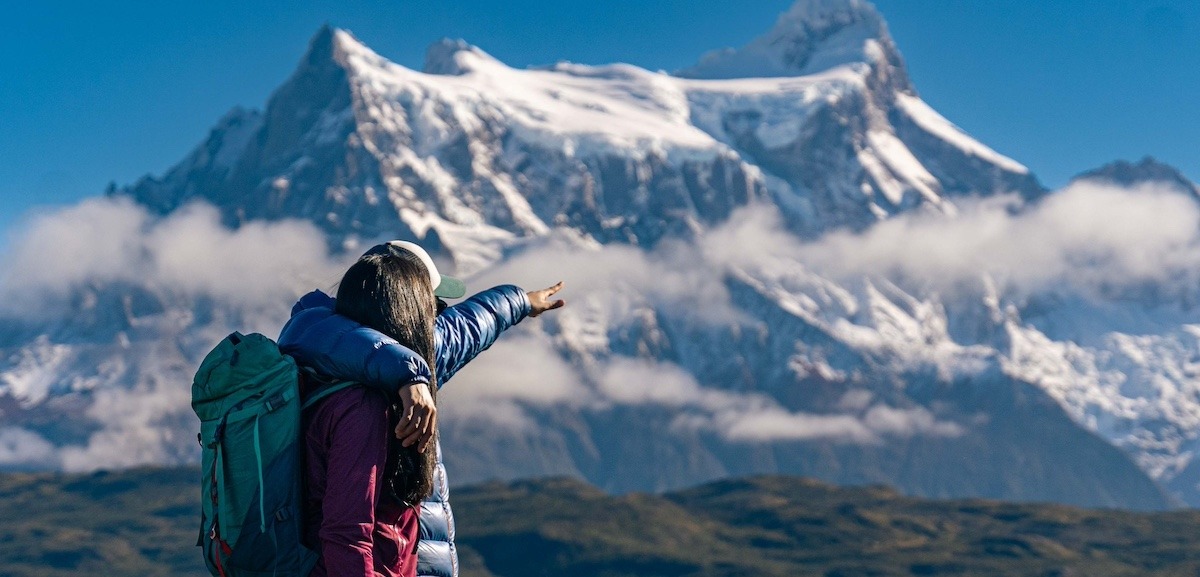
(450,288)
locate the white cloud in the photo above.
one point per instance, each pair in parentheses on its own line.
(641,382)
(879,421)
(753,235)
(503,413)
(149,424)
(94,241)
(23,448)
(1087,235)
(908,422)
(856,400)
(520,370)
(60,260)
(754,417)
(774,423)
(508,383)
(111,240)
(673,276)
(258,264)
(521,366)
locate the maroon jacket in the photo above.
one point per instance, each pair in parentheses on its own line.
(346,447)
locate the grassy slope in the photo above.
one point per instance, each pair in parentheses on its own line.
(144,523)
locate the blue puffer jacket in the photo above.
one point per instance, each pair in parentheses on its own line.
(336,346)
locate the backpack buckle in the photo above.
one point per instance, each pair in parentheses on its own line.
(274,402)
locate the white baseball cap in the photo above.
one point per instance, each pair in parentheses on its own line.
(443,286)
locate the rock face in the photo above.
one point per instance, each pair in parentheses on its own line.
(681,360)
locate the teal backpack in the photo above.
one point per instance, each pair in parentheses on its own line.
(247,395)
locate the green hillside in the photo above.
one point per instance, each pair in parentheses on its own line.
(143,523)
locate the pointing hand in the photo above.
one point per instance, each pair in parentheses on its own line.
(541,300)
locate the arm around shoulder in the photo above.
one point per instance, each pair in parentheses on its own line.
(341,348)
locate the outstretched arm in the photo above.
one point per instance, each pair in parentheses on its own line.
(470,327)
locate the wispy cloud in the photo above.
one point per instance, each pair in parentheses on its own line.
(672,276)
(1085,236)
(521,370)
(496,389)
(755,417)
(189,253)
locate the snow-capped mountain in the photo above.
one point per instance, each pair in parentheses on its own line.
(620,153)
(783,260)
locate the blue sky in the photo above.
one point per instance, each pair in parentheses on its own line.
(93,93)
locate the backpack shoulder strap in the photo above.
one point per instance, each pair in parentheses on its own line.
(325,392)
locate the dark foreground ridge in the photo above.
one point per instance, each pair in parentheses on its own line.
(143,523)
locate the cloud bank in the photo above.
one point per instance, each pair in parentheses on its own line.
(1086,237)
(509,384)
(189,253)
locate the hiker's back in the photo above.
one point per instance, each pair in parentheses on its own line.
(346,444)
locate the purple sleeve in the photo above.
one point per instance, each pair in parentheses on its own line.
(356,463)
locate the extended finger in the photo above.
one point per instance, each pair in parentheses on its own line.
(553,289)
(403,432)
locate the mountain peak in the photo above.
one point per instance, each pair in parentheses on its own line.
(455,57)
(813,35)
(332,45)
(1147,170)
(320,47)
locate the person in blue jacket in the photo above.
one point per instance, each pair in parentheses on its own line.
(334,346)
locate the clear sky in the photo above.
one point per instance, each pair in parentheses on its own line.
(95,92)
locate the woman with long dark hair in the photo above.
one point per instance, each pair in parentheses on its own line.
(376,496)
(391,293)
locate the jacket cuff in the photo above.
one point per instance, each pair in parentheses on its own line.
(520,298)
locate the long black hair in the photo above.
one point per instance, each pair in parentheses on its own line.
(391,293)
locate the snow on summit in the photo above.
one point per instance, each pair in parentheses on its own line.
(617,106)
(763,123)
(812,36)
